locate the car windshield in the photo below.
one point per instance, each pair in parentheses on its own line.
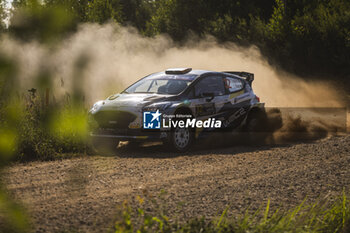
(166,84)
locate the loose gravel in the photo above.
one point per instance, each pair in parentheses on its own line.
(83,194)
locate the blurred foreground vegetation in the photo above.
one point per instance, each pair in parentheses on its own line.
(321,216)
(36,126)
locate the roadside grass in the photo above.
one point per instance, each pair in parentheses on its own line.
(46,133)
(36,125)
(321,216)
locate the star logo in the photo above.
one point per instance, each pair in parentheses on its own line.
(151,120)
(156,115)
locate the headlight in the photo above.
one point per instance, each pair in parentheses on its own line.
(96,107)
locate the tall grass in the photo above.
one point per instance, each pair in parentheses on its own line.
(321,216)
(36,125)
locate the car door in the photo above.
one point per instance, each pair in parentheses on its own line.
(209,96)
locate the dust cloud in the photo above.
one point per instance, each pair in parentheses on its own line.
(114,57)
(118,56)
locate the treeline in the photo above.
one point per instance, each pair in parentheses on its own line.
(307,37)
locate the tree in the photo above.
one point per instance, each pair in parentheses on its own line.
(103,10)
(3,15)
(78,8)
(137,12)
(33,20)
(177,17)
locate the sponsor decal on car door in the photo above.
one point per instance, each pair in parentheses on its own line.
(237,103)
(209,96)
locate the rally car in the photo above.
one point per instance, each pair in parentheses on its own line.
(152,108)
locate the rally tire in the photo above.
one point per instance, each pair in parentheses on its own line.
(180,140)
(256,128)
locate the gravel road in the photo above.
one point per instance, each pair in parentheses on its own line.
(83,194)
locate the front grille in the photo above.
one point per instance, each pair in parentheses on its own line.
(114,119)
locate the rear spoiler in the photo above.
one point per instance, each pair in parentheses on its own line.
(247,76)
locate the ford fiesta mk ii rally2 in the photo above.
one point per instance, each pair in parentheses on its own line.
(177,106)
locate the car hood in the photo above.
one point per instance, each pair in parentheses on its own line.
(131,100)
(129,108)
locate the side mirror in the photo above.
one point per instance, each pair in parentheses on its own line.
(209,95)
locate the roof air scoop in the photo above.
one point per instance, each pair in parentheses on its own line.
(178,70)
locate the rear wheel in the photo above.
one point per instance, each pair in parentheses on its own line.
(104,146)
(256,127)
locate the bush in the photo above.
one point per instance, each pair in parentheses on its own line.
(32,127)
(46,131)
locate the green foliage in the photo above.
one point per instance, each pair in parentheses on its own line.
(31,20)
(304,37)
(13,217)
(276,26)
(76,9)
(137,12)
(34,125)
(46,131)
(3,15)
(177,17)
(227,20)
(323,33)
(103,10)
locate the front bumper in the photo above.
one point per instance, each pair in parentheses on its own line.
(130,135)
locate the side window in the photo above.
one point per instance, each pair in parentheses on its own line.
(233,84)
(190,94)
(211,84)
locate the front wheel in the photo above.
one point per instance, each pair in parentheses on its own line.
(180,139)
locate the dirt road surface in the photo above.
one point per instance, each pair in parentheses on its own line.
(83,194)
